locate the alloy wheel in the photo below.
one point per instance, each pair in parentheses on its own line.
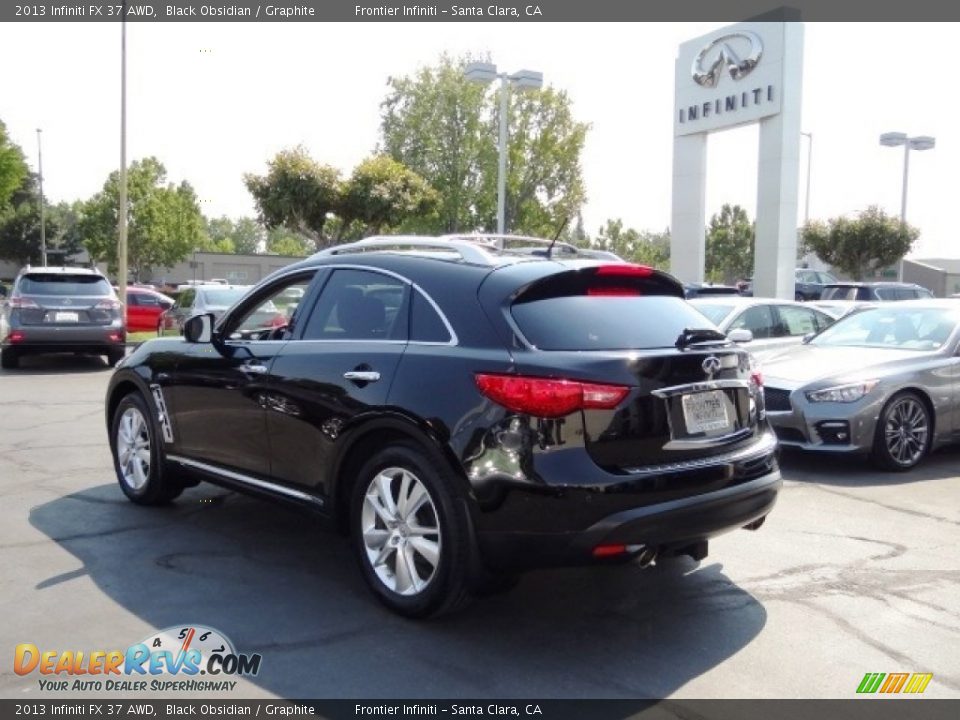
(401,531)
(133,448)
(906,431)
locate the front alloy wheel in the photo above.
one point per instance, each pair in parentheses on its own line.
(138,456)
(401,531)
(903,435)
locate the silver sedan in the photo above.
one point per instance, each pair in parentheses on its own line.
(763,325)
(883,381)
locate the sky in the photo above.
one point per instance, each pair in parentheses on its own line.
(215,100)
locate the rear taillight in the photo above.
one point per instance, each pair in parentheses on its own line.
(108,305)
(21,302)
(15,336)
(545,397)
(756,372)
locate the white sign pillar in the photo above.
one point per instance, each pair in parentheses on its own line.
(740,74)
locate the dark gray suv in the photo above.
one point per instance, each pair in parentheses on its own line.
(62,309)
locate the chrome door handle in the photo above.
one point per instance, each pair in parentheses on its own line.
(253,369)
(362,375)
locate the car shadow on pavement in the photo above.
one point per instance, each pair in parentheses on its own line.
(858,471)
(279,584)
(59,363)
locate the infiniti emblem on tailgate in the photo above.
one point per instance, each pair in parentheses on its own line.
(711,365)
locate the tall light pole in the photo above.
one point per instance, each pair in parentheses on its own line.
(122,221)
(918,142)
(487,73)
(806,200)
(43,219)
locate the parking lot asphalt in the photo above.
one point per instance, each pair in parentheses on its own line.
(855,571)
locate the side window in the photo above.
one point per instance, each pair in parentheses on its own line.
(888,294)
(797,321)
(133,299)
(145,300)
(360,305)
(757,320)
(823,320)
(186,299)
(425,324)
(272,312)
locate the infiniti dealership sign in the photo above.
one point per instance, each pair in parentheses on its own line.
(728,79)
(737,75)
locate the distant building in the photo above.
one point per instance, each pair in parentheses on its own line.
(939,275)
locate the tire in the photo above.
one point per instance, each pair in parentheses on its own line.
(415,574)
(115,356)
(144,480)
(903,434)
(9,359)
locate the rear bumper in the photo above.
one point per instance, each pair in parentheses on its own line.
(61,338)
(668,525)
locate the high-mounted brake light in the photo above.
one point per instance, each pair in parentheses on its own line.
(548,398)
(624,270)
(612,292)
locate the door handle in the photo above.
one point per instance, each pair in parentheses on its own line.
(362,375)
(253,368)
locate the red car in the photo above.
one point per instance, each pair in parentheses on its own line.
(144,308)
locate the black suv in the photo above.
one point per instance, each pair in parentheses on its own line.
(463,412)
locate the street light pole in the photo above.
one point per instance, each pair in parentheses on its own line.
(502,157)
(918,142)
(43,220)
(122,247)
(487,73)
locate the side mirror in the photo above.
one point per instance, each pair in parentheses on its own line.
(199,328)
(808,337)
(740,335)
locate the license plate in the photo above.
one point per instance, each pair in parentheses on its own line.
(705,412)
(66,317)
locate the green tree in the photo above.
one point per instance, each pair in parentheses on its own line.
(20,224)
(164,221)
(435,123)
(859,247)
(13,169)
(632,245)
(445,128)
(729,245)
(244,235)
(283,241)
(296,192)
(383,194)
(545,186)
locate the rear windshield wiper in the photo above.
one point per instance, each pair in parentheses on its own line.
(696,336)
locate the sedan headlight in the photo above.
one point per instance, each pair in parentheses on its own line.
(842,393)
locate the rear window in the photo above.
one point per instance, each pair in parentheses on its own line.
(605,308)
(840,293)
(714,313)
(64,284)
(222,298)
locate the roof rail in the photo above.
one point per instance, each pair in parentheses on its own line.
(470,252)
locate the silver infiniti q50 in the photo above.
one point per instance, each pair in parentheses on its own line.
(883,381)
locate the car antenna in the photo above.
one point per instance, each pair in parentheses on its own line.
(555,237)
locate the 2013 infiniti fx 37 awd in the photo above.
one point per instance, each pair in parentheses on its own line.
(463,412)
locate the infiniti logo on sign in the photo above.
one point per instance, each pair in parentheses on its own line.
(711,365)
(709,63)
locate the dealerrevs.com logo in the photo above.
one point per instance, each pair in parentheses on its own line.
(185,658)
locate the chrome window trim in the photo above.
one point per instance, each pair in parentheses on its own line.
(246,479)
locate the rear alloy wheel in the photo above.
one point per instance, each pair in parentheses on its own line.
(903,433)
(408,532)
(9,359)
(138,458)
